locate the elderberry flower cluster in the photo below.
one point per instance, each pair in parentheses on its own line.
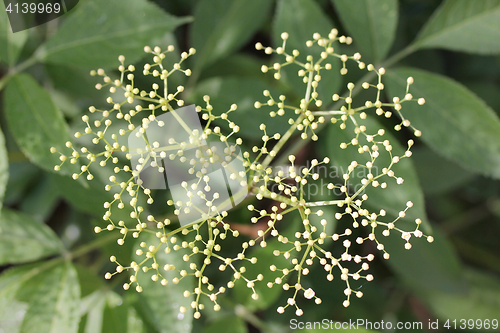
(202,239)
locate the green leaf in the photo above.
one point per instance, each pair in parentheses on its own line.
(10,283)
(54,307)
(4,167)
(47,294)
(11,44)
(135,323)
(222,26)
(41,199)
(160,304)
(105,311)
(115,314)
(88,280)
(481,301)
(426,267)
(22,175)
(98,32)
(231,324)
(36,123)
(92,307)
(437,174)
(77,84)
(22,239)
(301,19)
(463,25)
(244,92)
(472,135)
(371,23)
(243,64)
(88,199)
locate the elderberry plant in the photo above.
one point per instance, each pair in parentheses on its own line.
(204,238)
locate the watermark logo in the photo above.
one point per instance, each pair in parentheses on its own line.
(204,178)
(25,14)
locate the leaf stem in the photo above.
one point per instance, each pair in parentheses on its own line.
(86,248)
(20,67)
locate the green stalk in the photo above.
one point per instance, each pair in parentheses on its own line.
(20,67)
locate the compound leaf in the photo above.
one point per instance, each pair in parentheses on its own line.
(463,25)
(472,135)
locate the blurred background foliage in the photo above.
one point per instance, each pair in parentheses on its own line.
(51,262)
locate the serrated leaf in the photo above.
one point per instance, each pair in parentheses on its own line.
(54,307)
(463,25)
(4,168)
(301,19)
(11,43)
(36,123)
(159,304)
(222,26)
(244,92)
(472,135)
(371,23)
(99,31)
(22,239)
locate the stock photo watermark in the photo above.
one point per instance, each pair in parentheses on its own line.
(204,177)
(329,181)
(365,324)
(21,12)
